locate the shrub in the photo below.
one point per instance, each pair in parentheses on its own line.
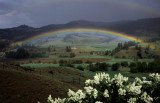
(77,61)
(30,61)
(115,67)
(62,62)
(124,64)
(88,62)
(132,64)
(80,68)
(70,65)
(134,70)
(102,66)
(39,61)
(54,62)
(92,67)
(103,89)
(72,55)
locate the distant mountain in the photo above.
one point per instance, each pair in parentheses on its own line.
(137,27)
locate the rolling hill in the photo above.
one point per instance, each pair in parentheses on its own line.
(142,27)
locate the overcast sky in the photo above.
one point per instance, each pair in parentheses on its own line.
(38,13)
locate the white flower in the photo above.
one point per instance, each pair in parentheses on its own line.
(106,93)
(96,79)
(71,93)
(100,77)
(95,93)
(119,79)
(144,81)
(144,78)
(151,75)
(145,97)
(58,100)
(132,100)
(147,82)
(133,89)
(76,97)
(98,102)
(89,82)
(88,89)
(50,100)
(121,91)
(155,76)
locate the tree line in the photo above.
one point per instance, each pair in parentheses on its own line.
(21,53)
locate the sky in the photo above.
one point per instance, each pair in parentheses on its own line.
(37,13)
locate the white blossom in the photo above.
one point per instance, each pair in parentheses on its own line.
(151,75)
(50,100)
(144,81)
(89,82)
(145,97)
(93,89)
(100,77)
(155,76)
(121,91)
(58,100)
(71,93)
(96,79)
(88,89)
(132,100)
(144,78)
(147,82)
(98,102)
(106,93)
(76,97)
(95,93)
(133,89)
(119,79)
(138,81)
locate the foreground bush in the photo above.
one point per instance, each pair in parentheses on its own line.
(103,89)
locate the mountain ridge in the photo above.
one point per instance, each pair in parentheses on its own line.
(148,25)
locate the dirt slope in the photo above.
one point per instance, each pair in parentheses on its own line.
(19,87)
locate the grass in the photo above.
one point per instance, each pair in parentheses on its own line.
(118,60)
(53,56)
(37,65)
(92,56)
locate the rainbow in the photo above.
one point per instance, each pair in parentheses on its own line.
(92,30)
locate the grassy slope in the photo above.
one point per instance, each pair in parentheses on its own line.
(19,86)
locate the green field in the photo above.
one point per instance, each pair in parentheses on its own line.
(37,65)
(124,71)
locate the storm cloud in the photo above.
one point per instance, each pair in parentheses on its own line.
(38,13)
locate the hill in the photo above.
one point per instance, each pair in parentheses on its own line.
(23,86)
(149,27)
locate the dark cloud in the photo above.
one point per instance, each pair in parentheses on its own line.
(43,12)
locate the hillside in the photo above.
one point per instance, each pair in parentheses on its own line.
(22,86)
(137,27)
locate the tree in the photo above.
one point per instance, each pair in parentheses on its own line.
(62,62)
(139,53)
(72,55)
(80,68)
(68,49)
(19,54)
(132,64)
(124,64)
(115,67)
